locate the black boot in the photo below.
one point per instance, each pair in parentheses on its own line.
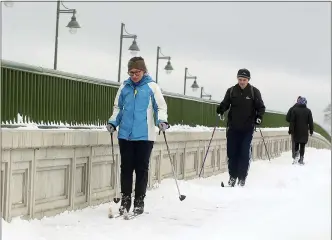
(301,161)
(232,181)
(296,157)
(125,203)
(242,182)
(139,204)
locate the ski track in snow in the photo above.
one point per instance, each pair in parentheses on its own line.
(280,201)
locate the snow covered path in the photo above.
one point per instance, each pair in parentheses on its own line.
(280,201)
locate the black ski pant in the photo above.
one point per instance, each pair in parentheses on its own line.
(239,152)
(300,146)
(135,156)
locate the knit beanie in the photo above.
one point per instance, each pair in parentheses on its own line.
(243,73)
(137,63)
(302,101)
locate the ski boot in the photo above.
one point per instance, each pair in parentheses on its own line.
(139,205)
(232,181)
(242,182)
(296,157)
(125,203)
(301,161)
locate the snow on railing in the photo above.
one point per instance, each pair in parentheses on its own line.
(25,123)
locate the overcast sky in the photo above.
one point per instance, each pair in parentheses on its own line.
(286,46)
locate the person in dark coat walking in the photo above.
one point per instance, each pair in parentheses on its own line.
(301,124)
(139,107)
(246,109)
(288,118)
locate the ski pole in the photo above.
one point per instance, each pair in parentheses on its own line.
(214,129)
(181,197)
(116,199)
(267,152)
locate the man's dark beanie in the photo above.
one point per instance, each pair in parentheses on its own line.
(138,63)
(243,73)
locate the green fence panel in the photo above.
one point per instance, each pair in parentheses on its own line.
(53,97)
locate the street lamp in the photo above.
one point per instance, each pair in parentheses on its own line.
(133,48)
(194,86)
(72,25)
(8,3)
(168,67)
(205,95)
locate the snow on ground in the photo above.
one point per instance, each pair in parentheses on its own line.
(280,201)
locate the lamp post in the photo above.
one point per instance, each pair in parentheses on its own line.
(205,95)
(194,86)
(168,67)
(72,25)
(133,48)
(8,3)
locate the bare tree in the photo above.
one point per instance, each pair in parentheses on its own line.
(327,113)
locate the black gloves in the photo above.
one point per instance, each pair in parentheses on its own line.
(110,128)
(219,111)
(258,120)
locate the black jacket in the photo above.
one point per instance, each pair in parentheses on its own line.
(289,113)
(243,109)
(301,123)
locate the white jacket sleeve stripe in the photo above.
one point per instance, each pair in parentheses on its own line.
(160,102)
(117,107)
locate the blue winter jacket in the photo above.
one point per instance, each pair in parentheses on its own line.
(138,108)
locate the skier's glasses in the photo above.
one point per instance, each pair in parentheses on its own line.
(132,73)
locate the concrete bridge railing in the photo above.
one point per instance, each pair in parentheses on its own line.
(46,172)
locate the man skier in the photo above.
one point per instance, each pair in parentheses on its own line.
(288,119)
(139,106)
(246,109)
(301,123)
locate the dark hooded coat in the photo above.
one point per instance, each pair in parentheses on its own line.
(301,123)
